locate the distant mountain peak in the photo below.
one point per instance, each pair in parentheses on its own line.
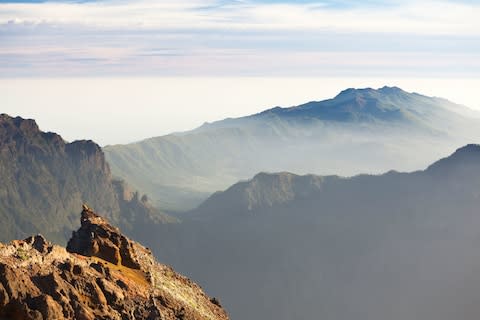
(383,127)
(17,130)
(353,91)
(362,91)
(365,105)
(393,89)
(267,190)
(5,117)
(463,159)
(384,105)
(265,176)
(468,149)
(18,123)
(470,152)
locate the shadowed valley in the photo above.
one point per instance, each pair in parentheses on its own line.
(392,246)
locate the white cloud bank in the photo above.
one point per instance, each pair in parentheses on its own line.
(418,17)
(238,38)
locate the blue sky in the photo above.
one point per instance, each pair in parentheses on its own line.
(239,38)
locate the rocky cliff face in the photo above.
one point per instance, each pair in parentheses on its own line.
(101,275)
(45,180)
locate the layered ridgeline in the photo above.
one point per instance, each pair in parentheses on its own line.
(393,246)
(101,275)
(358,131)
(45,180)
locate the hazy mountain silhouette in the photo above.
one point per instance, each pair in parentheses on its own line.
(358,131)
(387,104)
(280,245)
(392,246)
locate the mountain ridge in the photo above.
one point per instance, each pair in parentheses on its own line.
(383,104)
(45,179)
(380,128)
(273,189)
(368,247)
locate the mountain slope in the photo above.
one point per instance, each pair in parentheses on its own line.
(393,246)
(387,104)
(44,179)
(360,130)
(263,191)
(101,275)
(270,190)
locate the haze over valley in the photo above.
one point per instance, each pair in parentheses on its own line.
(244,160)
(393,246)
(293,246)
(357,131)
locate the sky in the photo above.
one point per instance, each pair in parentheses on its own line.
(47,47)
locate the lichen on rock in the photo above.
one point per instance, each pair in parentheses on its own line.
(101,275)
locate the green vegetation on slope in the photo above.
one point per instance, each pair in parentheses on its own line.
(45,180)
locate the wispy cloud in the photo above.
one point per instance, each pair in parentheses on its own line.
(430,17)
(248,37)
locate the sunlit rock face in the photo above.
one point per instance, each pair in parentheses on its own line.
(101,275)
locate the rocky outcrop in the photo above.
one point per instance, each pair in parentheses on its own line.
(99,239)
(101,275)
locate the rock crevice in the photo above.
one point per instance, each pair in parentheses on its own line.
(101,275)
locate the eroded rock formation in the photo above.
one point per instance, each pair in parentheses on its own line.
(101,275)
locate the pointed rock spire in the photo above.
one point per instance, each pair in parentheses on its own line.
(97,238)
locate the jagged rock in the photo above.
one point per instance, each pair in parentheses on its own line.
(99,239)
(38,242)
(103,275)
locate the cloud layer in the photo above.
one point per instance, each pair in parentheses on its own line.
(207,37)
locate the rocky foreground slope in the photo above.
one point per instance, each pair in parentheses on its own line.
(100,275)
